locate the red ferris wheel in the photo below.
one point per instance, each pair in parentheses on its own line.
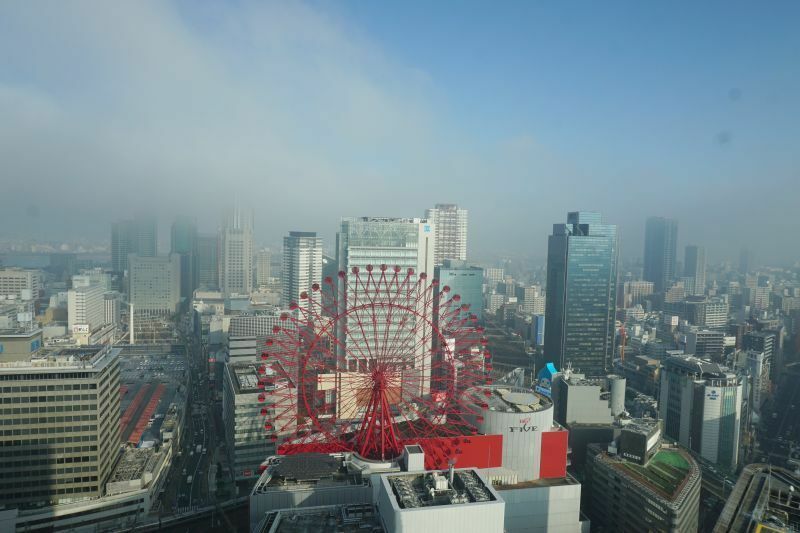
(371,361)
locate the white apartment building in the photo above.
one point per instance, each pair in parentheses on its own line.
(302,265)
(450,222)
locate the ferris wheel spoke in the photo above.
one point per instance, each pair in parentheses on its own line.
(370,361)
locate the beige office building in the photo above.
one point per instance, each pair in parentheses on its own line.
(59,438)
(20,284)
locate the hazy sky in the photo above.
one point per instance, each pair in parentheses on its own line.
(519,111)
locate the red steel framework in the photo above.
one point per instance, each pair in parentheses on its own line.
(370,362)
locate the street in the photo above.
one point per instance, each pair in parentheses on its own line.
(188,486)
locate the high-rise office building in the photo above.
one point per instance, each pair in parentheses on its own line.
(701,406)
(86,307)
(263,268)
(112,304)
(62,446)
(660,249)
(636,292)
(121,245)
(242,419)
(704,312)
(236,253)
(768,343)
(208,261)
(146,235)
(537,330)
(694,267)
(408,243)
(704,344)
(184,244)
(138,236)
(581,293)
(493,276)
(155,284)
(96,276)
(464,280)
(532,299)
(661,494)
(746,261)
(20,283)
(450,222)
(302,265)
(758,369)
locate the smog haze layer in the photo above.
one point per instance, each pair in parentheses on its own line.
(311,111)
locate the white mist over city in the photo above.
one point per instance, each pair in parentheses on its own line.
(277,267)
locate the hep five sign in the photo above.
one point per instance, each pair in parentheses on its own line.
(523,427)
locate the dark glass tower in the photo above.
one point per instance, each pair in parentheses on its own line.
(122,244)
(208,262)
(184,243)
(137,236)
(581,289)
(694,268)
(660,249)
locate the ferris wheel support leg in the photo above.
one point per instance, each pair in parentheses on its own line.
(376,437)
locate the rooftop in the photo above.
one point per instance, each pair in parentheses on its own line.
(665,474)
(385,219)
(245,377)
(307,466)
(133,463)
(696,366)
(645,426)
(82,358)
(22,331)
(429,489)
(350,518)
(516,399)
(542,482)
(303,470)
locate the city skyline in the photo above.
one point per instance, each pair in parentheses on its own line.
(556,121)
(399,267)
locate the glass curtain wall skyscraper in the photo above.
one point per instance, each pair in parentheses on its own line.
(694,269)
(581,293)
(137,236)
(184,244)
(208,261)
(660,249)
